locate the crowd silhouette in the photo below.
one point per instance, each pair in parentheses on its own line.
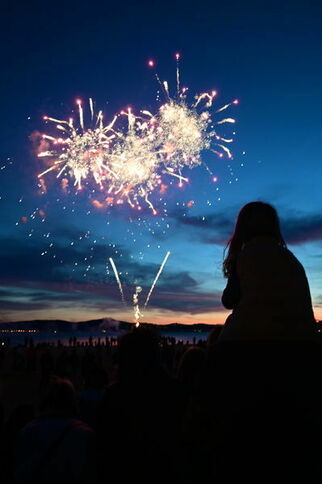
(158,409)
(243,405)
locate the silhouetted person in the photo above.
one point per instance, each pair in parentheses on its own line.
(63,369)
(191,369)
(214,335)
(140,415)
(46,366)
(264,364)
(18,418)
(267,288)
(56,447)
(95,382)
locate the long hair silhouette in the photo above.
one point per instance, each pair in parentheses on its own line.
(254,219)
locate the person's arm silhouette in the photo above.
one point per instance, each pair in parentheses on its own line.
(231,294)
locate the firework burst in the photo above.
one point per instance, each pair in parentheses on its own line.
(182,134)
(128,164)
(134,160)
(186,130)
(80,153)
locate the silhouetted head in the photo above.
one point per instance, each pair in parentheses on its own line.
(96,378)
(19,417)
(138,353)
(191,366)
(214,335)
(60,397)
(1,415)
(256,219)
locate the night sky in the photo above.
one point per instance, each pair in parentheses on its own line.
(55,246)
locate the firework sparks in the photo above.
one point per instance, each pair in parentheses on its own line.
(186,130)
(129,164)
(134,161)
(156,278)
(182,136)
(81,152)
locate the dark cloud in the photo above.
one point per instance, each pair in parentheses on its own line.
(100,299)
(34,282)
(188,302)
(70,233)
(214,228)
(299,230)
(217,228)
(21,260)
(7,305)
(178,280)
(31,281)
(75,296)
(217,220)
(21,299)
(5,293)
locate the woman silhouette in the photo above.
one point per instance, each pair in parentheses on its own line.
(267,288)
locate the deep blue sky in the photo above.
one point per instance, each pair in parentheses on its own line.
(266,54)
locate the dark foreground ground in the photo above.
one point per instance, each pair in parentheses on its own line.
(163,411)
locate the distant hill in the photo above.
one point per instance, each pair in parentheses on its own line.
(62,326)
(98,325)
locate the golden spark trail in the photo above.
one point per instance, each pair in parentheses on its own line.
(91,108)
(227,106)
(225,149)
(169,171)
(117,277)
(156,278)
(227,120)
(136,308)
(81,114)
(205,95)
(178,75)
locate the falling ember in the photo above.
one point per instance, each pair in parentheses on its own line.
(98,204)
(64,184)
(42,186)
(163,188)
(156,278)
